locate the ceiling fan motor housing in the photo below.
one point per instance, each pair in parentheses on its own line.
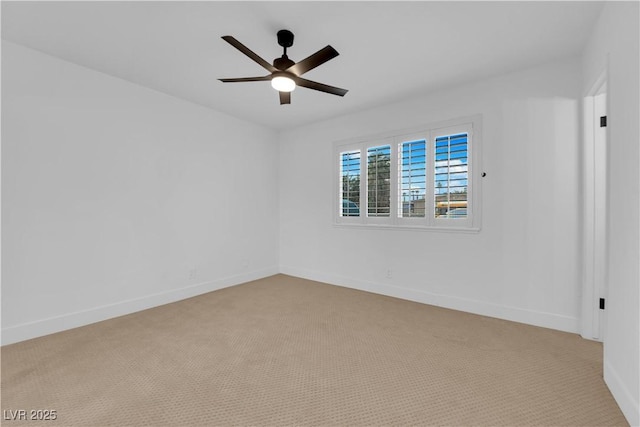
(285,38)
(283,63)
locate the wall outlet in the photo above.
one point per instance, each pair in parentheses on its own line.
(389,273)
(245,264)
(193,273)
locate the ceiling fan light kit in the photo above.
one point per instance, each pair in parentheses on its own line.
(282,82)
(285,73)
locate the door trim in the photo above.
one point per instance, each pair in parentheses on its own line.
(595,209)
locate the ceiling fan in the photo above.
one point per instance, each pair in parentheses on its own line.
(285,74)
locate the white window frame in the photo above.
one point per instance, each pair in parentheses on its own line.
(471,125)
(445,131)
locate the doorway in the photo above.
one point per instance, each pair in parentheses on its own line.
(595,212)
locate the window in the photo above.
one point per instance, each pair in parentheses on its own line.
(350,183)
(420,179)
(413,179)
(451,175)
(378,181)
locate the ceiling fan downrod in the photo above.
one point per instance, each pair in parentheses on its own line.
(285,39)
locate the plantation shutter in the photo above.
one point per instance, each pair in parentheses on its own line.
(451,176)
(379,181)
(350,183)
(413,174)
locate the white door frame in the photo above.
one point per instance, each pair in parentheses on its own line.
(595,208)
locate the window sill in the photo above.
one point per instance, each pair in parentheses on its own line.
(467,230)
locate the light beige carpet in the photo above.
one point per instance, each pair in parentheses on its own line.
(286,351)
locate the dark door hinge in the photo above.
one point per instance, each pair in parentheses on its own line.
(601,303)
(603,121)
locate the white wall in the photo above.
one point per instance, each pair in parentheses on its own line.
(614,46)
(116,198)
(524,263)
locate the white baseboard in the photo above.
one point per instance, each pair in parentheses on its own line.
(51,325)
(622,395)
(515,314)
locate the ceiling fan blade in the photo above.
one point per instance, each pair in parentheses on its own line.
(247,79)
(320,86)
(285,98)
(242,48)
(311,62)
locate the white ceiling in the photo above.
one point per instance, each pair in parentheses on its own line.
(388,50)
